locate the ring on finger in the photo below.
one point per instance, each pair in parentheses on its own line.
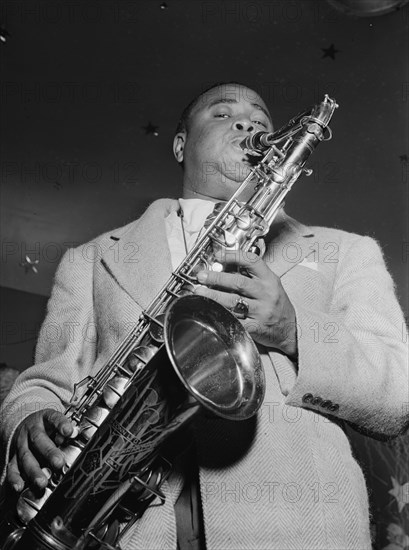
(241,308)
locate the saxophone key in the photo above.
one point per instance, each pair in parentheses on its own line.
(92,420)
(217,266)
(28,504)
(139,357)
(114,390)
(186,290)
(71,452)
(156,328)
(244,220)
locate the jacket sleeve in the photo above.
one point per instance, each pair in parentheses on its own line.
(65,350)
(353,359)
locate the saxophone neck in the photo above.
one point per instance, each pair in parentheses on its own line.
(280,167)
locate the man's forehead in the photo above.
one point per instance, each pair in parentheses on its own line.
(232,93)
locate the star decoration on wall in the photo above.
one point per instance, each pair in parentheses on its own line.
(400,492)
(30,265)
(4,34)
(151,129)
(331,51)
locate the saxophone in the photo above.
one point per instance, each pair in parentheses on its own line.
(185,352)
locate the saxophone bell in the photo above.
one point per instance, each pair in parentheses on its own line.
(214,357)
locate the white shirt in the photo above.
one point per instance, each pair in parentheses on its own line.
(195,212)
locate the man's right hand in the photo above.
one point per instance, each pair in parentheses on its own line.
(34,447)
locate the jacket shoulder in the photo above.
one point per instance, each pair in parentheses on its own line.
(100,242)
(346,240)
(360,250)
(159,207)
(339,235)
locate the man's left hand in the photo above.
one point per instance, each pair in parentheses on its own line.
(271,317)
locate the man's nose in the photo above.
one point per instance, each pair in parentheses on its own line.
(243,125)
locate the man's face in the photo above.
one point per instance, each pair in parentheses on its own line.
(214,163)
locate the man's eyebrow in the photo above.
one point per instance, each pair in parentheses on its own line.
(230,100)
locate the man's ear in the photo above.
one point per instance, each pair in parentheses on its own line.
(179,145)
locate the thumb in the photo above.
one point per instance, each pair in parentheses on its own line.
(57,421)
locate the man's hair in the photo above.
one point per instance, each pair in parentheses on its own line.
(183,123)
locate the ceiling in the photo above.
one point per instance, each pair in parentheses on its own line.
(92,92)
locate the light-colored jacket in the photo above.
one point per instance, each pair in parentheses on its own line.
(285,479)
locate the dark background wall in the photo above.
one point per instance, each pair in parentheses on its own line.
(80,81)
(91,93)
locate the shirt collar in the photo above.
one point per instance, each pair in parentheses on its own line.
(195,212)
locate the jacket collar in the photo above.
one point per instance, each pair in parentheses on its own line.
(287,244)
(138,255)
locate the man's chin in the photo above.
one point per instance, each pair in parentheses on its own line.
(237,171)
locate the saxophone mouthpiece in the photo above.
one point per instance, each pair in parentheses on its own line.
(258,142)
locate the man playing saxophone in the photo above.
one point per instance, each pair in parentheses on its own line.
(328,327)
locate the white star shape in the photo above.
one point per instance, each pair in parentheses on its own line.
(30,265)
(400,492)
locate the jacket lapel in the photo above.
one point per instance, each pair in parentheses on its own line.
(139,257)
(287,244)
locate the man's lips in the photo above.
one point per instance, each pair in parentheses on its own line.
(245,156)
(236,142)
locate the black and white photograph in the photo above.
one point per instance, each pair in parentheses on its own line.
(204,284)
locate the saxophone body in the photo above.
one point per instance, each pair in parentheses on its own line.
(184,352)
